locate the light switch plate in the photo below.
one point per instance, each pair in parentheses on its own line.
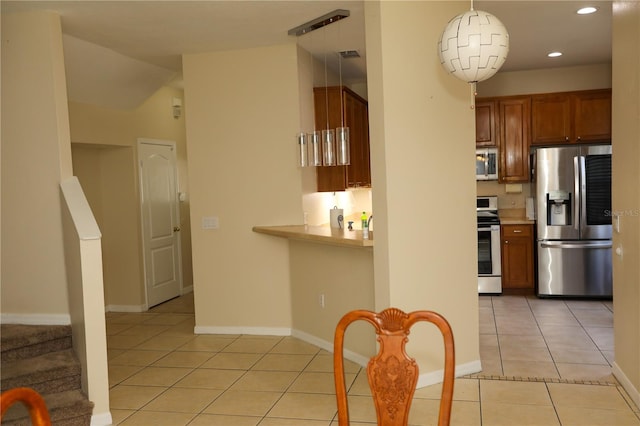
(210,222)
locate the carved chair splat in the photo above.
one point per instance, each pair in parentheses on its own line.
(392,374)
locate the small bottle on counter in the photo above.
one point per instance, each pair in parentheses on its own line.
(365,226)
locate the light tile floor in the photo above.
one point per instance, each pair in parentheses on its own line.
(537,355)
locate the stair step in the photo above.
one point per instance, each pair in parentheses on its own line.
(52,372)
(70,408)
(42,358)
(19,341)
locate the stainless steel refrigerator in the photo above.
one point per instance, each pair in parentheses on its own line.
(573,218)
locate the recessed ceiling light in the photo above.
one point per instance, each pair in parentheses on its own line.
(554,54)
(587,10)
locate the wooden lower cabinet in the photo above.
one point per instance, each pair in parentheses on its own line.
(517,256)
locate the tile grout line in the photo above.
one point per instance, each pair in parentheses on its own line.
(535,318)
(537,379)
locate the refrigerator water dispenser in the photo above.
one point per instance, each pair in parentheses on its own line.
(559,208)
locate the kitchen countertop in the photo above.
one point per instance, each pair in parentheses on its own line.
(516,221)
(319,234)
(514,217)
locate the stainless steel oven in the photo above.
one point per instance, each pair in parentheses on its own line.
(489,260)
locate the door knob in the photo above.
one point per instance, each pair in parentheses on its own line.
(176,228)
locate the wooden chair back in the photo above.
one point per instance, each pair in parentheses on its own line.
(392,374)
(35,404)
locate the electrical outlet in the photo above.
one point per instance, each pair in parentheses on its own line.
(321,300)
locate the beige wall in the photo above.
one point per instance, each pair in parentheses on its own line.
(547,80)
(104,159)
(626,194)
(343,276)
(108,177)
(420,120)
(244,113)
(35,157)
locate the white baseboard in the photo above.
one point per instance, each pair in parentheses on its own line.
(102,419)
(361,360)
(186,290)
(434,377)
(634,393)
(126,308)
(258,331)
(36,319)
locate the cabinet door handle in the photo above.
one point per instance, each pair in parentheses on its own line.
(517,231)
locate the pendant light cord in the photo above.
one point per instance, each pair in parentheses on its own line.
(474,93)
(313,80)
(340,71)
(326,90)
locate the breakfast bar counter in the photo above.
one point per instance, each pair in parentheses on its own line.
(319,234)
(331,273)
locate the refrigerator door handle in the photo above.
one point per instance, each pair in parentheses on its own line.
(576,192)
(583,195)
(606,244)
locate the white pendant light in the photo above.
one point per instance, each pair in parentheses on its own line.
(473,46)
(320,148)
(315,149)
(303,149)
(329,147)
(343,146)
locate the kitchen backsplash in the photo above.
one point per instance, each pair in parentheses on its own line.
(352,201)
(506,200)
(355,201)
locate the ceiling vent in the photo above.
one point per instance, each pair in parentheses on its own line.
(347,54)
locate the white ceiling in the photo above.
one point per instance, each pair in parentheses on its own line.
(119,52)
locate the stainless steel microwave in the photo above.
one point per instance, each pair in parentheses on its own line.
(487,164)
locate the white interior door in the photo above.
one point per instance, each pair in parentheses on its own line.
(160,220)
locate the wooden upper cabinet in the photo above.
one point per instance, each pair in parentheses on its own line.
(550,118)
(571,117)
(340,103)
(357,115)
(486,123)
(592,116)
(514,120)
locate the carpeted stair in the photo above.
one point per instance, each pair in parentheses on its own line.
(42,358)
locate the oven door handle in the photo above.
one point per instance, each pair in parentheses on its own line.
(488,228)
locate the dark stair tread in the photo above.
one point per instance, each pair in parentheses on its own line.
(43,366)
(13,336)
(64,408)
